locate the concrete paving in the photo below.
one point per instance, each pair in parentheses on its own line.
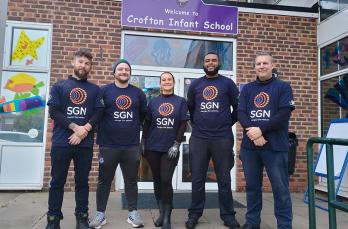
(28,210)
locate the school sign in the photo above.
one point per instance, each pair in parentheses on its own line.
(186,15)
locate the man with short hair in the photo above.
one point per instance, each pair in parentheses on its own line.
(119,141)
(210,99)
(265,107)
(75,110)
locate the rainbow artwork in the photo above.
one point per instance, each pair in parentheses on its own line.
(19,105)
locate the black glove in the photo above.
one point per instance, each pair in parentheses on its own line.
(142,146)
(173,151)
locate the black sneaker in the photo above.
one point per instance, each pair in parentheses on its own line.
(82,221)
(191,223)
(232,224)
(53,222)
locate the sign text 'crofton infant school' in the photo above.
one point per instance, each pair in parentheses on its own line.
(187,15)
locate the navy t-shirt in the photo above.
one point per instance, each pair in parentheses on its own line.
(165,114)
(210,101)
(260,101)
(77,100)
(120,124)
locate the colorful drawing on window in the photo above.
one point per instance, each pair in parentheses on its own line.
(21,92)
(26,47)
(21,104)
(24,85)
(29,48)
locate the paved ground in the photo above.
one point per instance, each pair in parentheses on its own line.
(28,210)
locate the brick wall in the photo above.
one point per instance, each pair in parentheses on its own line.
(92,24)
(292,41)
(96,25)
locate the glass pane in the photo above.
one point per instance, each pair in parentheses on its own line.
(343,4)
(328,8)
(334,100)
(329,59)
(186,173)
(150,86)
(22,106)
(29,48)
(175,52)
(343,57)
(144,173)
(187,83)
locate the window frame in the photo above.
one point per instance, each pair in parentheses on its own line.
(327,76)
(180,36)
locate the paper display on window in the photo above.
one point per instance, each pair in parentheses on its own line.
(29,48)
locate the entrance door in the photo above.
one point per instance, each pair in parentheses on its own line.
(148,81)
(184,174)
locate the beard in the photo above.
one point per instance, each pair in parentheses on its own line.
(123,81)
(211,72)
(81,75)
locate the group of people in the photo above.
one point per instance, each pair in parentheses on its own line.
(117,112)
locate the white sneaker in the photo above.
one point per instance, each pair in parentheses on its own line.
(98,221)
(134,219)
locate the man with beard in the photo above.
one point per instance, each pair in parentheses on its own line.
(210,99)
(75,109)
(119,141)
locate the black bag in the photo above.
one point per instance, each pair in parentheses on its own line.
(293,142)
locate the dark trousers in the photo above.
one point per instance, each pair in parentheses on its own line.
(109,158)
(221,152)
(276,164)
(60,161)
(162,173)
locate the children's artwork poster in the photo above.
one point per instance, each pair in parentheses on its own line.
(22,91)
(29,48)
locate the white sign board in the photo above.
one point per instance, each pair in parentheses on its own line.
(336,130)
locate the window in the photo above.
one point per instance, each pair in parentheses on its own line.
(175,52)
(330,7)
(334,57)
(334,100)
(24,82)
(333,82)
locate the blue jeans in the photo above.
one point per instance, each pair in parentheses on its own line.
(221,152)
(276,164)
(60,161)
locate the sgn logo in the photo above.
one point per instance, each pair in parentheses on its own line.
(77,96)
(261,100)
(209,94)
(123,102)
(165,109)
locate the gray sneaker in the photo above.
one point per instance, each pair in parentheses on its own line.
(98,221)
(134,219)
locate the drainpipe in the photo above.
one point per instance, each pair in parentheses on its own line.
(3,17)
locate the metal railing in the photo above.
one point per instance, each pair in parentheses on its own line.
(333,204)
